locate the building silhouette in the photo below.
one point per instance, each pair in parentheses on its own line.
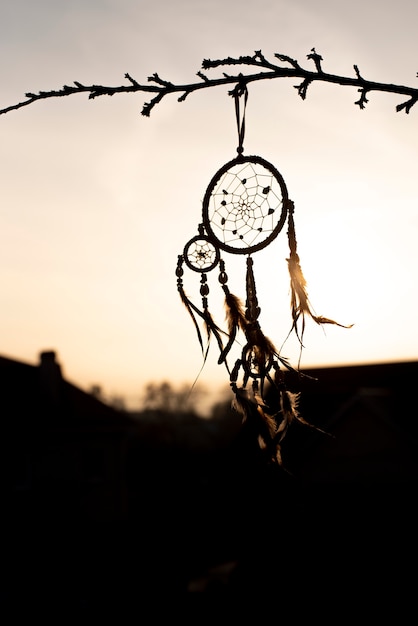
(180,503)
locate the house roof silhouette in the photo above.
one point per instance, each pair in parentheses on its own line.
(371,419)
(41,389)
(62,449)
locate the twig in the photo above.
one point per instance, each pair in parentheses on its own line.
(267,70)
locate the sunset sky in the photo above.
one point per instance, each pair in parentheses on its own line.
(97,200)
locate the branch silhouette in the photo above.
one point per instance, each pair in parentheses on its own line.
(289,68)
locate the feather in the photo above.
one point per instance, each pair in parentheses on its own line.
(290,411)
(235,311)
(300,304)
(278,457)
(268,423)
(213,328)
(190,308)
(252,408)
(287,417)
(241,402)
(260,349)
(258,397)
(235,318)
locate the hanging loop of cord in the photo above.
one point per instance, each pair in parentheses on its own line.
(240,90)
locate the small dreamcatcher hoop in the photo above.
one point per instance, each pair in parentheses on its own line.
(245,207)
(200,254)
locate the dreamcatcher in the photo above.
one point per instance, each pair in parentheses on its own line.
(245,207)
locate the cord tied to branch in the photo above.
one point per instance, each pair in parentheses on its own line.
(240,90)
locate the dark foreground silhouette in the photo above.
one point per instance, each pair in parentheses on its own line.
(102,510)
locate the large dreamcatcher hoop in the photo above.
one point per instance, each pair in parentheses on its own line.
(245,207)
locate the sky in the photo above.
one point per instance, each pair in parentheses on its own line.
(97,201)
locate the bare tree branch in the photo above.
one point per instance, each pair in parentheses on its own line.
(266,70)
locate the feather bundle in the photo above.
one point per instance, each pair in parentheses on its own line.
(253,409)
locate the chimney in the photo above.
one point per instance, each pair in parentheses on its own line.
(50,378)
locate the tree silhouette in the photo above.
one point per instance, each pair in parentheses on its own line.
(164,397)
(289,68)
